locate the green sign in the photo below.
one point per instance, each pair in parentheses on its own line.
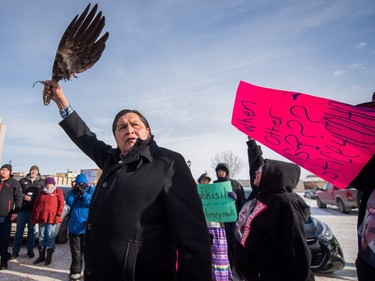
(217,205)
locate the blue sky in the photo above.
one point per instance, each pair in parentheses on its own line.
(178,62)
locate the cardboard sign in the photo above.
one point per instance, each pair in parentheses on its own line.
(217,205)
(330,139)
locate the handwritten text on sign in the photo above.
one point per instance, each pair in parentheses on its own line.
(217,205)
(331,139)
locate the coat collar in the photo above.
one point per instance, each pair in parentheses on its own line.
(142,149)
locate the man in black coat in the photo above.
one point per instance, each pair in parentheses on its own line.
(31,185)
(10,204)
(145,207)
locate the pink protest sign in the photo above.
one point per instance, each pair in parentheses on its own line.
(333,140)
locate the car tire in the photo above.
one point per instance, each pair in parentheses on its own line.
(320,203)
(341,206)
(62,236)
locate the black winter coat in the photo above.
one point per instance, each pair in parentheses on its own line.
(31,188)
(269,237)
(144,208)
(11,197)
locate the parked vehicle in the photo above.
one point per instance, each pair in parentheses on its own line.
(310,193)
(345,199)
(326,252)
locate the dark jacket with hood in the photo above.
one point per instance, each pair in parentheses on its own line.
(144,208)
(31,188)
(236,186)
(10,197)
(269,237)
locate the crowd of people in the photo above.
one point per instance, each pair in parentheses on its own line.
(146,214)
(33,200)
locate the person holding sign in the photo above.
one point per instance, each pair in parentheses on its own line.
(365,182)
(269,235)
(221,270)
(222,173)
(145,207)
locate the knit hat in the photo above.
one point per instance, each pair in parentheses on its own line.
(81,178)
(34,167)
(7,166)
(222,166)
(49,181)
(203,176)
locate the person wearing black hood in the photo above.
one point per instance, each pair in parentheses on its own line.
(31,185)
(222,173)
(269,239)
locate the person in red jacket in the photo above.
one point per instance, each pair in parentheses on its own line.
(47,211)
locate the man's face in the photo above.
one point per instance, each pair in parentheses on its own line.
(33,173)
(4,174)
(221,173)
(129,128)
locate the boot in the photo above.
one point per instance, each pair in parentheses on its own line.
(42,255)
(4,263)
(49,256)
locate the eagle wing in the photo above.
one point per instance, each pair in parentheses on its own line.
(79,48)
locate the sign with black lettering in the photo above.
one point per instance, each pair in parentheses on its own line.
(333,140)
(217,205)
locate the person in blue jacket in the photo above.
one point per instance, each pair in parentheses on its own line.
(78,199)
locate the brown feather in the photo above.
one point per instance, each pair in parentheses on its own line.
(79,48)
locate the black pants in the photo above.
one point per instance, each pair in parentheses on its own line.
(5,228)
(365,271)
(76,249)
